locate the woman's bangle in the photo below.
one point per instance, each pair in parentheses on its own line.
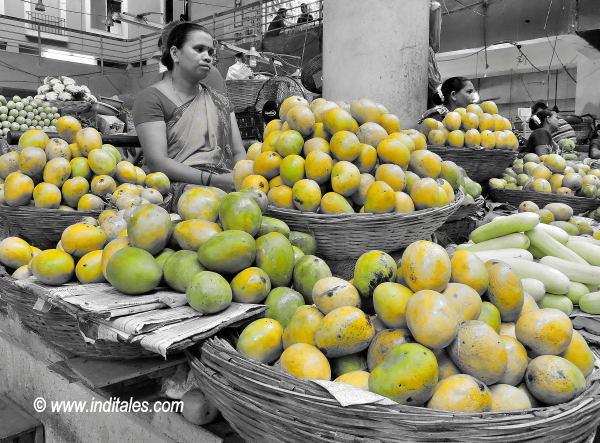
(210,174)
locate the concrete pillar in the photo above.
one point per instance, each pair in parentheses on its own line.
(587,96)
(377,49)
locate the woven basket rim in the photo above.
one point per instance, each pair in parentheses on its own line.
(215,348)
(478,149)
(366,217)
(517,192)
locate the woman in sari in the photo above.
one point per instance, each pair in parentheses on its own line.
(540,141)
(187,130)
(455,92)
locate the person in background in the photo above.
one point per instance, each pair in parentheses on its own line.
(277,24)
(305,16)
(239,70)
(540,142)
(595,144)
(564,129)
(186,129)
(455,92)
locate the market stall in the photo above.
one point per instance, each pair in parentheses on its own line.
(317,286)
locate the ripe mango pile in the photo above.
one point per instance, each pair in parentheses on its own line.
(550,173)
(83,175)
(217,248)
(339,158)
(472,127)
(452,333)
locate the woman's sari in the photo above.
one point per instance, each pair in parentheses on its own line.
(199,134)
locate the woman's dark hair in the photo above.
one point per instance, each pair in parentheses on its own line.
(453,84)
(176,34)
(539,118)
(538,106)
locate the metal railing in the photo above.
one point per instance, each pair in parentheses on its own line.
(251,22)
(46,23)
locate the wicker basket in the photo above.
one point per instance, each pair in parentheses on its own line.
(515,197)
(346,236)
(480,164)
(267,405)
(60,328)
(460,224)
(43,227)
(243,93)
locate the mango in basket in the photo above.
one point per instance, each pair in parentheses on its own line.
(149,228)
(18,189)
(553,379)
(305,361)
(383,343)
(208,292)
(89,268)
(407,375)
(344,331)
(508,398)
(302,326)
(330,293)
(261,340)
(358,379)
(461,393)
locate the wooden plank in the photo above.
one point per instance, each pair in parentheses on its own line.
(98,374)
(14,421)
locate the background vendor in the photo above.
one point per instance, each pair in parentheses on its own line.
(187,130)
(540,142)
(455,92)
(563,131)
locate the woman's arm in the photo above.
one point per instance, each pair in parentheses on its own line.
(239,153)
(153,139)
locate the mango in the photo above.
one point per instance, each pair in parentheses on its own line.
(161,258)
(390,300)
(308,270)
(461,393)
(9,163)
(305,361)
(102,162)
(261,340)
(18,189)
(191,234)
(180,268)
(208,292)
(446,366)
(348,363)
(508,398)
(305,242)
(228,252)
(32,161)
(90,202)
(505,291)
(252,285)
(465,300)
(407,375)
(102,185)
(545,331)
(81,238)
(478,351)
(89,268)
(199,202)
(46,195)
(384,342)
(149,228)
(73,189)
(240,212)
(431,319)
(302,326)
(329,293)
(371,269)
(306,195)
(579,353)
(426,265)
(490,315)
(282,304)
(133,271)
(57,171)
(112,247)
(52,267)
(274,255)
(357,379)
(553,380)
(468,269)
(15,252)
(516,361)
(380,198)
(270,224)
(344,331)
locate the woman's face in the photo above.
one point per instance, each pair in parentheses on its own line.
(552,122)
(195,56)
(464,97)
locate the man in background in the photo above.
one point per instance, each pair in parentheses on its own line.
(239,70)
(277,24)
(564,130)
(305,16)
